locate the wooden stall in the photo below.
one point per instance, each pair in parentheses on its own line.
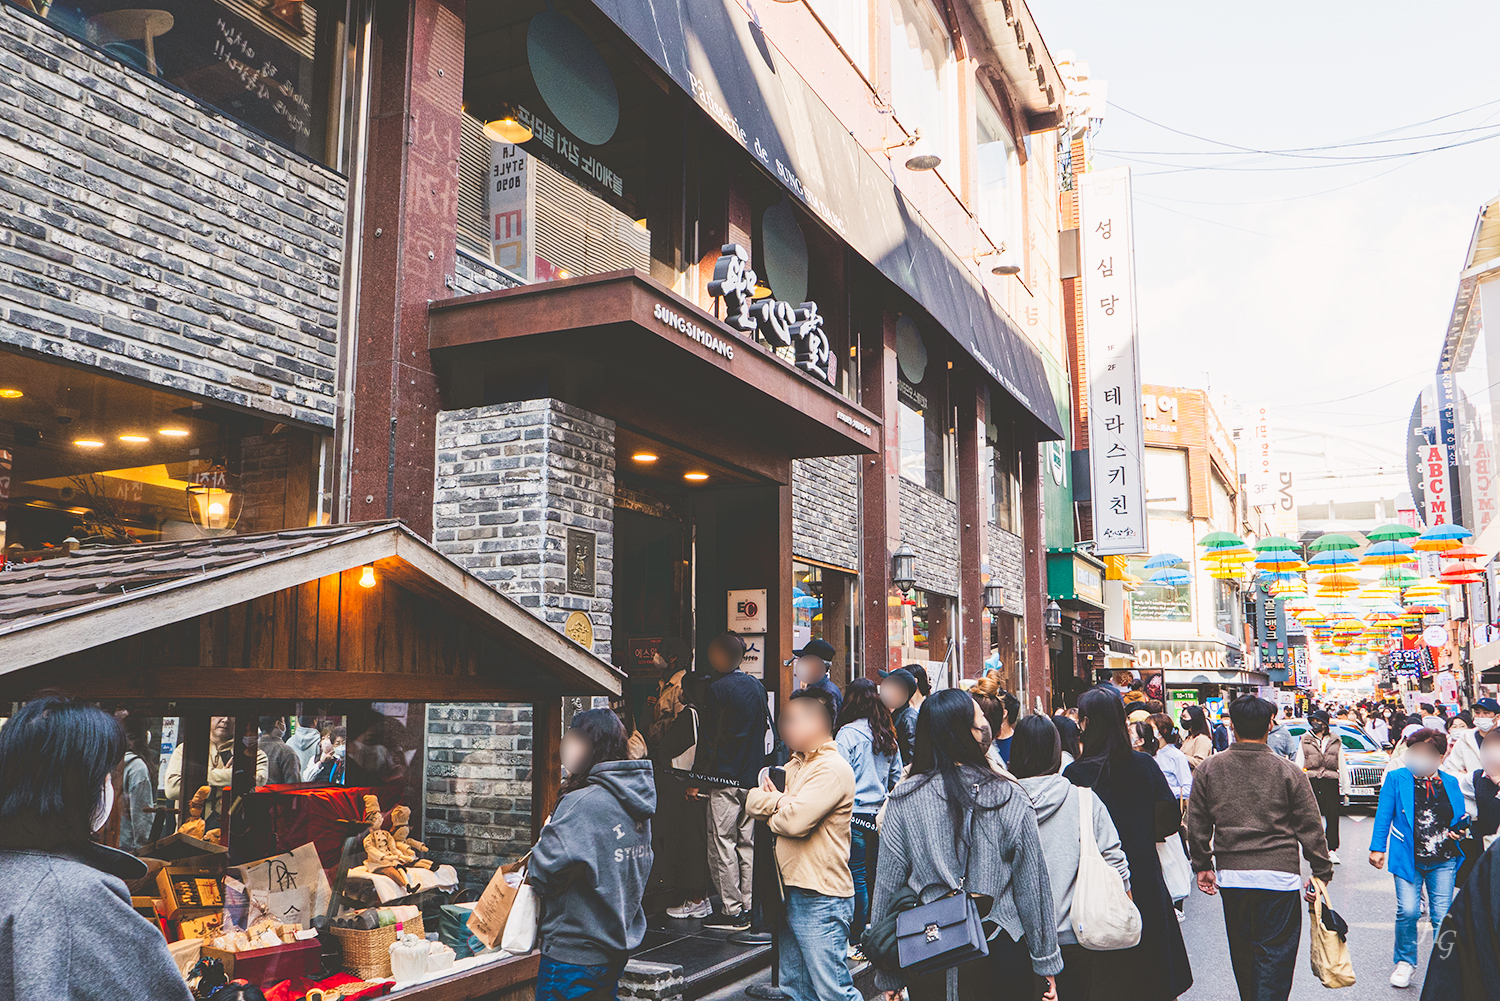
(334,617)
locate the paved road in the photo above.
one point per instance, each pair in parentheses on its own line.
(1364,896)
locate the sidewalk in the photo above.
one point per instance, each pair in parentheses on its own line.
(864,982)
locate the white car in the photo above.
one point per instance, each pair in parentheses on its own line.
(1364,760)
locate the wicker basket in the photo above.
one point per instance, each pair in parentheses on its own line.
(367,954)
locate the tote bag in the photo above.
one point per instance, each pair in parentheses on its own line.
(1104,918)
(520,925)
(1175,868)
(1330,949)
(686,759)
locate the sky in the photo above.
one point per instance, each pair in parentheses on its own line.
(1322,292)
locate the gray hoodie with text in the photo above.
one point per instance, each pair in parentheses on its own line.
(591,864)
(1056,803)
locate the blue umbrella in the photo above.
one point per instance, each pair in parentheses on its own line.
(1333,558)
(807,601)
(1163,560)
(1170,577)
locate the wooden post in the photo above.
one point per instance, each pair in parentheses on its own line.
(546,760)
(880,509)
(1038,663)
(973,524)
(193,738)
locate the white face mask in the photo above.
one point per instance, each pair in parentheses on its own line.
(1484,723)
(106,805)
(1422,766)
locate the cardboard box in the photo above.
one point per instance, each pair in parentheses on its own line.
(265,967)
(206,924)
(189,889)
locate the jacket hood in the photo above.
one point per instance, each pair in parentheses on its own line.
(1048,794)
(630,782)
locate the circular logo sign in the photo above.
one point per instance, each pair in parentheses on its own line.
(1057,461)
(1435,635)
(580,630)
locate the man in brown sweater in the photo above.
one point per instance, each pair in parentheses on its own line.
(1249,812)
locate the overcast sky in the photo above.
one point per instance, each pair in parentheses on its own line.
(1296,288)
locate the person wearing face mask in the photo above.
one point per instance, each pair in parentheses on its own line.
(220,768)
(1421,819)
(1321,756)
(1198,743)
(66,914)
(1484,712)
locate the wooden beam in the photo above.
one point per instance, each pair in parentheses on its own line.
(546,760)
(193,682)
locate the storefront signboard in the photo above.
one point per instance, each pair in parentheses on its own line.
(780,323)
(1187,655)
(582,548)
(747,611)
(1116,444)
(754,663)
(1260,478)
(1435,484)
(512,210)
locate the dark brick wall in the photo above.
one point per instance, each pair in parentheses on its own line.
(929,524)
(144,234)
(825,510)
(1008,565)
(472,275)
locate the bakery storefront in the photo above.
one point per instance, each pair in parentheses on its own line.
(231,659)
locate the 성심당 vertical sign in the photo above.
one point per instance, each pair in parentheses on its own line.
(1116,446)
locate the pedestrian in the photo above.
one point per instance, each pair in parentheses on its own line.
(1221,734)
(592,862)
(1199,743)
(70,932)
(1422,811)
(897,690)
(327,768)
(1485,711)
(1170,759)
(1144,812)
(1321,756)
(866,738)
(1281,740)
(955,823)
(1067,731)
(1465,960)
(1007,724)
(810,819)
(1486,781)
(813,667)
(1463,746)
(137,791)
(304,742)
(924,687)
(680,831)
(283,767)
(674,660)
(1249,813)
(1378,729)
(731,745)
(1035,759)
(997,706)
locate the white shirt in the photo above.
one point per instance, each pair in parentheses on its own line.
(1178,770)
(1379,730)
(1259,879)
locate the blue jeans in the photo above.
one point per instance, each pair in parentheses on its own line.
(857,838)
(569,982)
(1438,882)
(814,939)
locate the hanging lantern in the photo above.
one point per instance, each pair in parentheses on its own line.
(213,507)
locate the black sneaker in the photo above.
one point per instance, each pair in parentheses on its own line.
(727,922)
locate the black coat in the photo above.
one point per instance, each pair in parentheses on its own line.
(1487,799)
(905,720)
(1465,961)
(732,729)
(1144,811)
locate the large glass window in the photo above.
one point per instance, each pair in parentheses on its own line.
(276,66)
(997,200)
(1005,476)
(825,607)
(1159,603)
(921,627)
(1166,473)
(1227,607)
(922,74)
(924,425)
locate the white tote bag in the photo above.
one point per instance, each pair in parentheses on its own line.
(686,759)
(519,936)
(1175,868)
(1104,918)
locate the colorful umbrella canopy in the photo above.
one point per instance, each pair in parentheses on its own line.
(1161,560)
(1171,577)
(1464,552)
(1221,540)
(1332,558)
(1392,532)
(1447,532)
(1275,542)
(1278,560)
(1333,542)
(1384,554)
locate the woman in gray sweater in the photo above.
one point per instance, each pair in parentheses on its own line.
(956,822)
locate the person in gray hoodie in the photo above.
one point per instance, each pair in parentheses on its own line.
(1035,758)
(590,866)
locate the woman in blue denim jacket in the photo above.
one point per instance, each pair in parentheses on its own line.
(1421,819)
(866,737)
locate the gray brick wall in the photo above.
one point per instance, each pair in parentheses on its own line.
(1008,565)
(478,811)
(511,480)
(472,276)
(144,234)
(929,524)
(825,510)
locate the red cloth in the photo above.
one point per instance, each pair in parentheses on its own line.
(299,814)
(296,989)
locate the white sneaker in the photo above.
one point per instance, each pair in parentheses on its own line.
(1334,858)
(1401,976)
(691,909)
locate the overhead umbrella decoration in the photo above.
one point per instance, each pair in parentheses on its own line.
(1440,538)
(1162,561)
(1386,554)
(1394,532)
(1170,577)
(1333,542)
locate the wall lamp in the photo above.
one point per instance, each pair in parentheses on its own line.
(903,568)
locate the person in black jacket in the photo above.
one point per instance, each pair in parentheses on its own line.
(896,690)
(731,745)
(813,666)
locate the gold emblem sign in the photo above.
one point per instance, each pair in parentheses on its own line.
(580,630)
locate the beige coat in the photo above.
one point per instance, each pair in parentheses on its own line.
(811,821)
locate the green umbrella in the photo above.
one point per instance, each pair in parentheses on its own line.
(1276,542)
(1393,532)
(1220,540)
(1332,542)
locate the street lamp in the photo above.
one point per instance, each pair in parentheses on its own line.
(994,597)
(903,568)
(1053,617)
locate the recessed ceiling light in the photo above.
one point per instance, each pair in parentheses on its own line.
(134,439)
(695,476)
(88,443)
(644,457)
(11,394)
(173,432)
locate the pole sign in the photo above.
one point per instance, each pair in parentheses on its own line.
(1260,479)
(512,210)
(1116,443)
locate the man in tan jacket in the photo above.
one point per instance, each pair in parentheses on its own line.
(811,822)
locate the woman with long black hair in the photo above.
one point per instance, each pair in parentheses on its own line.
(1144,811)
(1199,742)
(955,822)
(866,738)
(592,861)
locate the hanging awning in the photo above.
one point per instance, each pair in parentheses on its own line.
(718,56)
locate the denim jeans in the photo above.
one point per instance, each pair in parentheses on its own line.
(569,982)
(814,938)
(1438,881)
(857,869)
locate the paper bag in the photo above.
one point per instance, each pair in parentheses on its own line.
(1329,949)
(290,888)
(493,909)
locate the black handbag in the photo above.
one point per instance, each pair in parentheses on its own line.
(945,933)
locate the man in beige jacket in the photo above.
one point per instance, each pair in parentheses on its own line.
(811,822)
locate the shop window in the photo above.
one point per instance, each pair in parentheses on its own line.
(1004,462)
(923,425)
(923,74)
(106,462)
(1007,648)
(1227,607)
(1156,603)
(921,631)
(997,200)
(277,67)
(1166,472)
(825,606)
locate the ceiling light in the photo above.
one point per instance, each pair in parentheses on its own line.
(644,457)
(88,443)
(761,290)
(134,439)
(173,432)
(695,476)
(367,577)
(11,394)
(507,129)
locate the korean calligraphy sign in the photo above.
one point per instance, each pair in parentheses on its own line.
(780,323)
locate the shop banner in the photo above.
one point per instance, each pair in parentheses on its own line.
(512,210)
(716,52)
(1116,444)
(1260,477)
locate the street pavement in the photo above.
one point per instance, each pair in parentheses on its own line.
(1365,897)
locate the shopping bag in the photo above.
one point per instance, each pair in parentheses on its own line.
(492,912)
(520,926)
(1175,868)
(1104,917)
(1330,948)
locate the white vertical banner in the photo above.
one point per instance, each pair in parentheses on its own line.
(1435,486)
(1116,447)
(1261,480)
(512,209)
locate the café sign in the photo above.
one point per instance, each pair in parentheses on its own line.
(780,323)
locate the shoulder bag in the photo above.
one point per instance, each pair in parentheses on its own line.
(1104,918)
(1328,937)
(948,931)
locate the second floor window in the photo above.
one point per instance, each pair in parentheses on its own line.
(922,74)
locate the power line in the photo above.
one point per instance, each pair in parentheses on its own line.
(1272,236)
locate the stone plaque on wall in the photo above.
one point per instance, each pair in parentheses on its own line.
(581,561)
